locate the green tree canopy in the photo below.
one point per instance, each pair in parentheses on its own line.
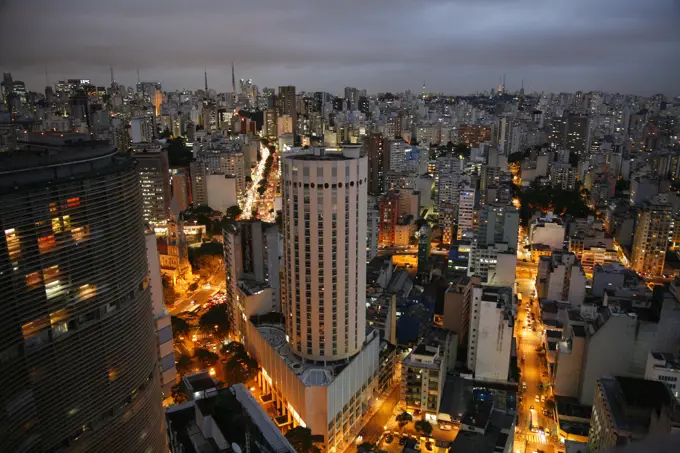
(179,326)
(301,440)
(215,320)
(179,155)
(404,419)
(207,358)
(184,364)
(423,426)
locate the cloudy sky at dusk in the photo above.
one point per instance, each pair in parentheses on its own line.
(455,46)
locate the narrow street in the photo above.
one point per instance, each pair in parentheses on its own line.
(528,333)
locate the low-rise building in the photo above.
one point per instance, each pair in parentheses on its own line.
(226,419)
(424,372)
(561,277)
(547,231)
(664,367)
(627,410)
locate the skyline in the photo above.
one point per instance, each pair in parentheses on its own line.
(619,46)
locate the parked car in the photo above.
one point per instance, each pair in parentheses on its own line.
(389,438)
(402,440)
(428,445)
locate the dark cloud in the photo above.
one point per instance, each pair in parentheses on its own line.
(456,46)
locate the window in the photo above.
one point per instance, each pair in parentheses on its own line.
(73,202)
(47,243)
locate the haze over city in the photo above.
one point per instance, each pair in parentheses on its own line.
(456,47)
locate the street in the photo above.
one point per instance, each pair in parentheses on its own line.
(528,341)
(376,424)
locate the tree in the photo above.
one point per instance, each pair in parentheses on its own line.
(423,426)
(179,393)
(368,446)
(193,287)
(234,211)
(179,326)
(516,158)
(215,320)
(178,153)
(239,370)
(207,265)
(166,133)
(550,404)
(301,440)
(404,419)
(207,358)
(461,149)
(184,364)
(169,294)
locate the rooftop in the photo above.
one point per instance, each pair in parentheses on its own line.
(309,372)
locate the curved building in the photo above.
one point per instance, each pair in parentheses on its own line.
(324,222)
(78,367)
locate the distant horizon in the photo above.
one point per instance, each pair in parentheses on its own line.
(260,88)
(455,46)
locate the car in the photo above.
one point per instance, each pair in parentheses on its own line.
(428,445)
(521,360)
(542,398)
(524,385)
(537,399)
(389,438)
(547,413)
(533,328)
(531,408)
(402,440)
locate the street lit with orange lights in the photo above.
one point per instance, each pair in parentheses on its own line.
(256,205)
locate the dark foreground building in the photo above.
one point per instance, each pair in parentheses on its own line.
(78,369)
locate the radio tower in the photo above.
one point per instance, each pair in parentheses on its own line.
(233,82)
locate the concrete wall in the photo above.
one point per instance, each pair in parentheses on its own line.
(221,192)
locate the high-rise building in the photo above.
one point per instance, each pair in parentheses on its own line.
(474,134)
(325,268)
(141,129)
(490,334)
(577,134)
(652,229)
(162,321)
(78,344)
(287,103)
(323,365)
(180,189)
(466,212)
(251,260)
(154,180)
(378,154)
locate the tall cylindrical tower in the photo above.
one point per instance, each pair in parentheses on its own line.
(78,366)
(324,218)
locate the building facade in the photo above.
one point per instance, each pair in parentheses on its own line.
(77,342)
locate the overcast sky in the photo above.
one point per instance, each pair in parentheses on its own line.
(455,46)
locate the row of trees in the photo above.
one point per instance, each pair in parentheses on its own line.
(421,426)
(561,202)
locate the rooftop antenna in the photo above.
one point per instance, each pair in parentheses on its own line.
(205,70)
(137,75)
(47,79)
(504,83)
(233,79)
(113,81)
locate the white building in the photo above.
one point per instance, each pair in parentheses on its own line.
(324,218)
(321,368)
(221,192)
(466,211)
(491,332)
(664,367)
(372,230)
(547,231)
(164,342)
(141,129)
(251,264)
(234,165)
(565,279)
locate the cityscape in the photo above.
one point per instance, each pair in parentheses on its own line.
(269,269)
